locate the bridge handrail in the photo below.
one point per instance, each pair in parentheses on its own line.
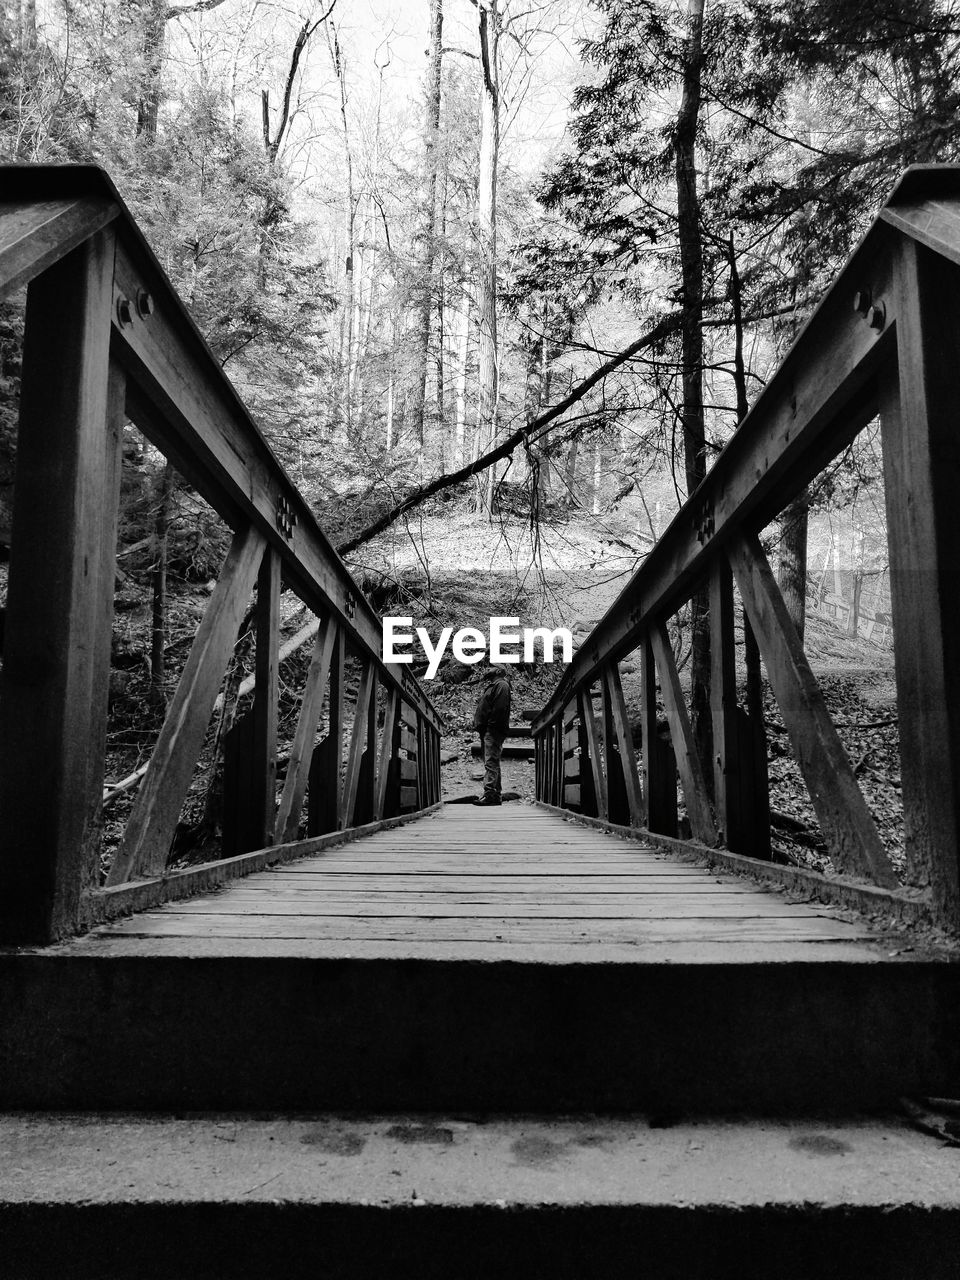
(108,340)
(884,341)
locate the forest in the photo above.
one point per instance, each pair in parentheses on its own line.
(498,280)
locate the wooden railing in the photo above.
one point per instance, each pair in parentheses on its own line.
(885,342)
(107,341)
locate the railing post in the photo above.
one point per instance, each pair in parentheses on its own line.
(323,795)
(621,763)
(590,750)
(659,762)
(264,798)
(60,597)
(920,460)
(739,743)
(364,806)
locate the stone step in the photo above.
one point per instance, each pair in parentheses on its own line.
(168,1022)
(109,1197)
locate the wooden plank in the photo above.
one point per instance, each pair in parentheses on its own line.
(386,751)
(566,883)
(920,457)
(688,761)
(407,906)
(592,753)
(52,706)
(358,738)
(408,742)
(351,929)
(623,739)
(156,809)
(265,703)
(326,782)
(846,823)
(301,749)
(36,234)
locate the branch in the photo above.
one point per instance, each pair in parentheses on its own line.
(522,436)
(303,38)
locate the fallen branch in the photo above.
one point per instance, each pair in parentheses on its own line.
(522,436)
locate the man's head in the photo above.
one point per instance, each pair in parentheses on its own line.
(495,672)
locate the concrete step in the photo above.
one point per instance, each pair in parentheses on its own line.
(95,1197)
(279,1023)
(510,750)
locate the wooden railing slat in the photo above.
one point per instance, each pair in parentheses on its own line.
(589,723)
(845,821)
(358,739)
(688,761)
(624,744)
(326,780)
(301,749)
(386,752)
(156,810)
(264,764)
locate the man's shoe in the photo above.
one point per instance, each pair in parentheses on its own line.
(489,801)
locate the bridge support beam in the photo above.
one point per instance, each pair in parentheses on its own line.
(921,458)
(53,687)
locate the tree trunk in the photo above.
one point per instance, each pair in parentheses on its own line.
(694,438)
(349,226)
(27,27)
(487,239)
(460,394)
(148,107)
(425,239)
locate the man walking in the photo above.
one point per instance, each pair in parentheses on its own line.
(492,720)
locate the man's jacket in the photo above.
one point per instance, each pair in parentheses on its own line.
(493,709)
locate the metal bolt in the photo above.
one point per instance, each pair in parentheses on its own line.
(861,301)
(877,316)
(145,303)
(124,313)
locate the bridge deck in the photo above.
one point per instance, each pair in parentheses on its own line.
(514,881)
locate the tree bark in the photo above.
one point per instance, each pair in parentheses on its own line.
(692,417)
(488,390)
(425,240)
(148,107)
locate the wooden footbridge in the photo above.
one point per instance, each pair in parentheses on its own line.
(362,952)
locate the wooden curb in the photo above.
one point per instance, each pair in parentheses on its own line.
(898,905)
